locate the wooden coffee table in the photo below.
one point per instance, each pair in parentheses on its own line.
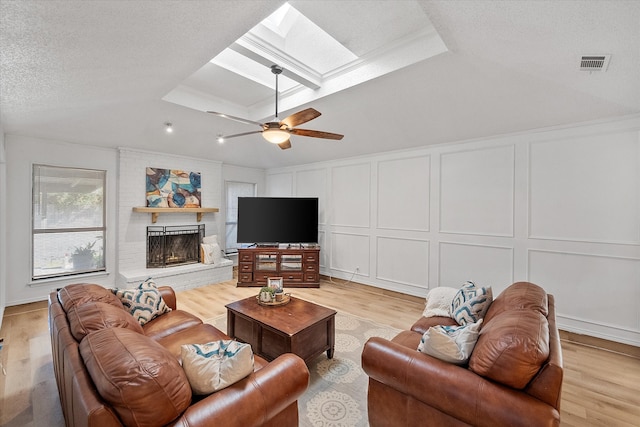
(298,327)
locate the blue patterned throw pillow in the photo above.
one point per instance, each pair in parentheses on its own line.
(144,302)
(471,303)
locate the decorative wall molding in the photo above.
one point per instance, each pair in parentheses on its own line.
(471,200)
(404,189)
(585,189)
(486,272)
(351,196)
(408,265)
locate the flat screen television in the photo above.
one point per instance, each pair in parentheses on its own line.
(271,220)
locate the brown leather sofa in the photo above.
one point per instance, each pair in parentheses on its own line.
(136,368)
(514,375)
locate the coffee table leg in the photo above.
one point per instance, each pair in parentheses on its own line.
(331,333)
(231,323)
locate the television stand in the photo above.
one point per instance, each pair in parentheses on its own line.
(299,267)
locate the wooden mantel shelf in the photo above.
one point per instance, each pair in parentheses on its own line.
(157,211)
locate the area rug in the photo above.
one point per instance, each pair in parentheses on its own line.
(337,393)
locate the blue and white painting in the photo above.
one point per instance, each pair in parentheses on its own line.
(171,188)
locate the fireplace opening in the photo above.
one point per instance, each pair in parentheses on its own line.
(169,246)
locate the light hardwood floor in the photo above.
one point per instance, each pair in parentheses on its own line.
(601,387)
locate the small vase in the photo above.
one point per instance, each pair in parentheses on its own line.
(265,296)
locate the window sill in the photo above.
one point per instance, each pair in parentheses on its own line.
(46,282)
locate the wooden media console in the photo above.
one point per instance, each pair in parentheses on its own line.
(299,267)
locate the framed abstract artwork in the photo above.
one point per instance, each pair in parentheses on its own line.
(172,188)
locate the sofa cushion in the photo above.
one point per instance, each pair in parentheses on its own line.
(439,302)
(471,303)
(140,379)
(170,323)
(452,344)
(144,302)
(512,347)
(519,296)
(93,316)
(216,365)
(80,293)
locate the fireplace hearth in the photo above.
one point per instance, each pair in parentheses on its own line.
(169,246)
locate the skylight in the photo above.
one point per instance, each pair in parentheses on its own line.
(322,50)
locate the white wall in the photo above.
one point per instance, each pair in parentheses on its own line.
(243,174)
(21,154)
(126,230)
(3,225)
(558,207)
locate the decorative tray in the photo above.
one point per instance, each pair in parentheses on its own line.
(285,300)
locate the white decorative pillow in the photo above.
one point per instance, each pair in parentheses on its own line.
(216,365)
(452,344)
(471,303)
(439,302)
(144,302)
(210,239)
(212,253)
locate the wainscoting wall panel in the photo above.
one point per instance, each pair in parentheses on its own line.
(280,185)
(350,251)
(403,260)
(476,191)
(350,192)
(557,206)
(483,264)
(586,189)
(589,287)
(403,193)
(313,183)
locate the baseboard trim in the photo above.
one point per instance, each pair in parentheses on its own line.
(600,343)
(371,289)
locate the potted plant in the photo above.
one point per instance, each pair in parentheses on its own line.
(266,294)
(82,256)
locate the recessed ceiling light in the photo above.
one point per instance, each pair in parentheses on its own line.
(168,127)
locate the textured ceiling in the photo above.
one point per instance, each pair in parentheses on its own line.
(95,73)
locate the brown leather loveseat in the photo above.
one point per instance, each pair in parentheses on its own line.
(513,378)
(111,371)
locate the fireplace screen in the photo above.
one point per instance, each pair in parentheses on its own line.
(173,245)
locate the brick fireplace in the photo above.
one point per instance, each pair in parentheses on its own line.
(132,267)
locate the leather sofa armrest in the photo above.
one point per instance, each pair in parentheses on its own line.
(254,400)
(168,295)
(452,389)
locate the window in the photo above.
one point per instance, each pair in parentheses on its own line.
(235,190)
(68,221)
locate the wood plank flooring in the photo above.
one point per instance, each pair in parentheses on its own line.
(601,387)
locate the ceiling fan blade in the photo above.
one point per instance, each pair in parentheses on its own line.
(316,134)
(285,145)
(300,117)
(237,119)
(240,134)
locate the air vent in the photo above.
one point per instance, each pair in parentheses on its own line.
(594,62)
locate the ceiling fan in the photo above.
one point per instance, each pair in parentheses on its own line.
(279,131)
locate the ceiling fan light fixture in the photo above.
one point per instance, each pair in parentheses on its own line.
(275,136)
